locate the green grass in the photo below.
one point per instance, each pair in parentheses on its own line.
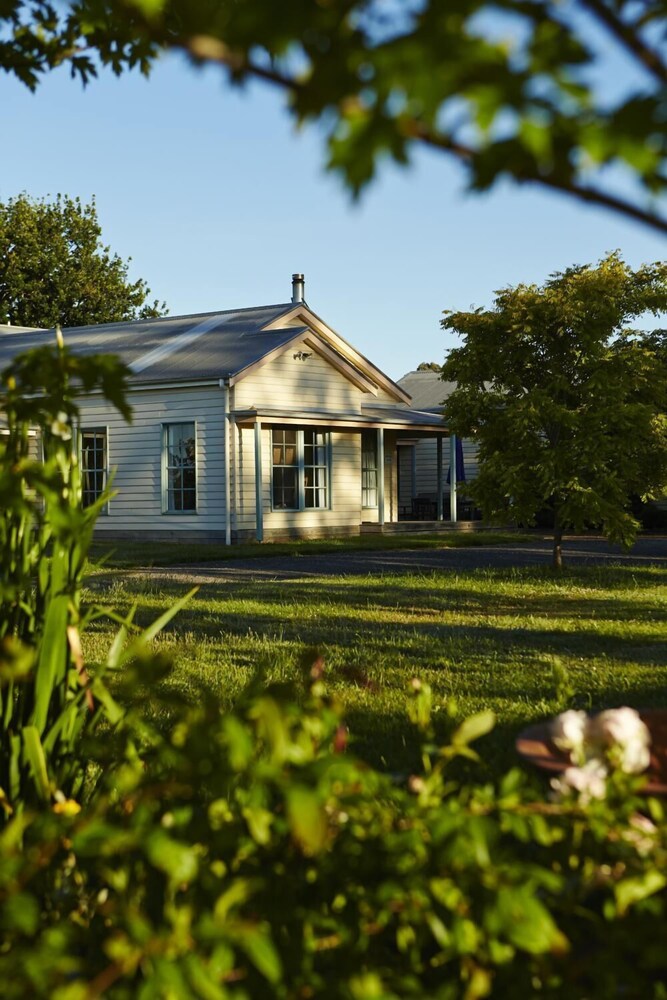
(495,639)
(130,554)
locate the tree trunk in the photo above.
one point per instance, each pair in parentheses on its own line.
(557,561)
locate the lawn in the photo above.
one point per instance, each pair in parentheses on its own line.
(513,641)
(129,554)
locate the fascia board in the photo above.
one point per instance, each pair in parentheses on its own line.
(306,336)
(307,316)
(338,362)
(249,417)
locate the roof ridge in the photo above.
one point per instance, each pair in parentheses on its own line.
(176,316)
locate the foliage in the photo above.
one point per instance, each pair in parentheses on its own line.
(54,268)
(46,696)
(566,405)
(429,366)
(505,88)
(249,853)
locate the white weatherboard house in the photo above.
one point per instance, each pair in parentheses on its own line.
(253,423)
(418,459)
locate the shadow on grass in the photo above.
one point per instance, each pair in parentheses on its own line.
(611,645)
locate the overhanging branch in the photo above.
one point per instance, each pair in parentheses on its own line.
(205,48)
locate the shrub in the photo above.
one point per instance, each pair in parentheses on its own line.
(250,854)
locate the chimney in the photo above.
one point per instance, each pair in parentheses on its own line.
(298,288)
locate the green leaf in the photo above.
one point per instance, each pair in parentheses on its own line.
(307,819)
(258,945)
(520,917)
(632,890)
(21,913)
(53,659)
(34,753)
(177,860)
(259,822)
(474,727)
(16,660)
(239,891)
(156,627)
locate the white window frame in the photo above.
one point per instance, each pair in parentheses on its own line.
(97,429)
(301,469)
(166,509)
(368,468)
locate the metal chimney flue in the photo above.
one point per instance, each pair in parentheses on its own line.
(298,288)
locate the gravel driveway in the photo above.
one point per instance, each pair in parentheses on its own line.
(576,552)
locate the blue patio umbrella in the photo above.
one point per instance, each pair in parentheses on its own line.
(460,464)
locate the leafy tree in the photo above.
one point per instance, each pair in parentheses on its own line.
(504,87)
(566,404)
(54,268)
(429,366)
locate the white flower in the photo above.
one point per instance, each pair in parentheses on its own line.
(60,427)
(642,833)
(568,731)
(625,737)
(590,781)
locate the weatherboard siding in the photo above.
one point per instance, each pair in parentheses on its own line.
(290,384)
(344,512)
(425,480)
(135,459)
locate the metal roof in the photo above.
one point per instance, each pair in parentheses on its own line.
(427,389)
(200,345)
(391,417)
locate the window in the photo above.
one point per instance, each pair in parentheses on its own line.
(179,468)
(315,468)
(369,469)
(93,464)
(285,470)
(299,469)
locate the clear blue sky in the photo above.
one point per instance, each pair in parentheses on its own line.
(218,200)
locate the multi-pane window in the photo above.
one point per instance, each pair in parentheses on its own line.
(285,470)
(369,469)
(180,467)
(299,469)
(315,468)
(93,464)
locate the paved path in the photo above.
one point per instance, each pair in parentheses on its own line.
(576,552)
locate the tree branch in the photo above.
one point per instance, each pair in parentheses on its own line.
(628,38)
(204,48)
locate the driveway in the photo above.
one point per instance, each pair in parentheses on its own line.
(576,552)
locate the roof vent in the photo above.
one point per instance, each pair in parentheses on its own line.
(298,288)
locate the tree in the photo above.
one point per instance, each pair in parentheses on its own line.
(55,269)
(566,404)
(429,366)
(507,88)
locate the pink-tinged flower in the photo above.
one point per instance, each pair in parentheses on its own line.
(624,736)
(590,781)
(568,732)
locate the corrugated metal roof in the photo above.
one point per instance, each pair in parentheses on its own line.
(404,415)
(427,389)
(200,345)
(395,417)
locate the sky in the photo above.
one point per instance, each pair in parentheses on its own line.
(218,200)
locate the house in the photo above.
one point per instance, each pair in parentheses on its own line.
(256,423)
(418,458)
